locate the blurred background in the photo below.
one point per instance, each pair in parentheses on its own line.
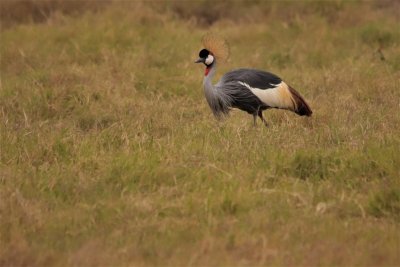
(203,12)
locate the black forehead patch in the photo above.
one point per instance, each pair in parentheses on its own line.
(204,53)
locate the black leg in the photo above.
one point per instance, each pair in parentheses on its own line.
(255,118)
(262,118)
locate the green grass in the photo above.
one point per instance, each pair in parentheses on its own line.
(111,156)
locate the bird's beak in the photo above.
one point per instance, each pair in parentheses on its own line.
(200,60)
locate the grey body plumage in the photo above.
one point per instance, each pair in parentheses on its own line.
(229,93)
(249,90)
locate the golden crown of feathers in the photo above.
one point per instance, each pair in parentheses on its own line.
(217,45)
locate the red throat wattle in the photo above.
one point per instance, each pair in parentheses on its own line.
(207,71)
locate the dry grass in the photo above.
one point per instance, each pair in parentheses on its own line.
(14,12)
(110,155)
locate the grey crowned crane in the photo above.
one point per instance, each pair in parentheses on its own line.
(250,90)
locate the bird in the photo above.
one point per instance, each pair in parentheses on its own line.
(247,89)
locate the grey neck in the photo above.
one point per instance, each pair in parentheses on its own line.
(217,99)
(207,81)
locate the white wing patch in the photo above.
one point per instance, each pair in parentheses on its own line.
(278,97)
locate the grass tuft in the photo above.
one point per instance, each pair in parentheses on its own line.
(386,204)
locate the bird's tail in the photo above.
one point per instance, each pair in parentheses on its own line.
(300,105)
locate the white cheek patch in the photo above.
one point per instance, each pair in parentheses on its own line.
(209,60)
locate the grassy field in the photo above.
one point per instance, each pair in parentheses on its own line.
(110,155)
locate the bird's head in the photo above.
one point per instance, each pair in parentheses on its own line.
(205,57)
(215,48)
